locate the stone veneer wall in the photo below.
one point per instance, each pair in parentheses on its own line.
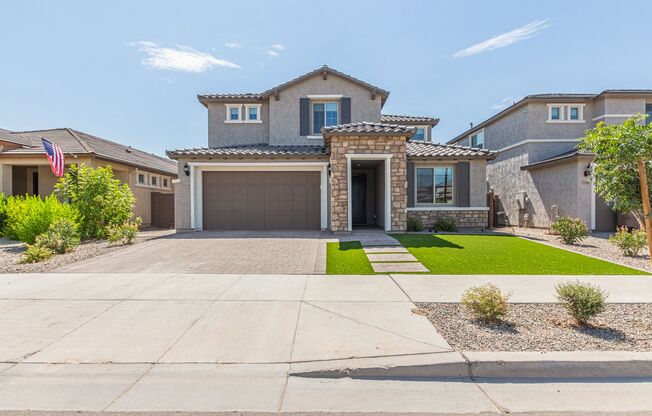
(342,145)
(462,218)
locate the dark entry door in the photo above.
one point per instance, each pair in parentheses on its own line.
(359,199)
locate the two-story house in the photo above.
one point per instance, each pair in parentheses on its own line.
(538,173)
(317,153)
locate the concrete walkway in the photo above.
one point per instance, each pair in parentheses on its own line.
(198,342)
(385,253)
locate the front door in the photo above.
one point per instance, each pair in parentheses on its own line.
(359,199)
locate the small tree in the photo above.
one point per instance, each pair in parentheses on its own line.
(102,200)
(623,167)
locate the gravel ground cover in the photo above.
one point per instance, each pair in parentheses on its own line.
(10,252)
(596,245)
(544,327)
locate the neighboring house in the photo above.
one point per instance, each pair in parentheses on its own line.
(539,174)
(24,168)
(316,153)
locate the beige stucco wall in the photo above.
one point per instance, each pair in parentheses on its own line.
(224,134)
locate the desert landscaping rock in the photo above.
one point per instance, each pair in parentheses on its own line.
(544,327)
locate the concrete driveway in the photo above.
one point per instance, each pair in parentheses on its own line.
(218,252)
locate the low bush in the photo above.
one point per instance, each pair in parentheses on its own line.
(414,224)
(62,236)
(101,200)
(29,216)
(570,230)
(630,243)
(446,225)
(582,300)
(3,211)
(35,254)
(487,302)
(125,233)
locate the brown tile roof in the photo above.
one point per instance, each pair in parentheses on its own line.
(368,128)
(446,151)
(403,119)
(8,136)
(77,142)
(251,150)
(204,98)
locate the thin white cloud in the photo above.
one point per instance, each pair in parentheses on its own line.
(181,58)
(272,54)
(504,103)
(278,46)
(233,45)
(506,39)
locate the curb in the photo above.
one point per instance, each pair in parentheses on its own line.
(557,364)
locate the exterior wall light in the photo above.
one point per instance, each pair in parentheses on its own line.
(186,169)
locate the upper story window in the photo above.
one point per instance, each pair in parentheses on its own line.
(165,182)
(324,114)
(420,135)
(243,113)
(141,179)
(435,185)
(154,181)
(648,111)
(477,139)
(565,113)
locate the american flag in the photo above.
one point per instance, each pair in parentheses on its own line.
(55,156)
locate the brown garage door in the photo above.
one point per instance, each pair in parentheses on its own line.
(261,200)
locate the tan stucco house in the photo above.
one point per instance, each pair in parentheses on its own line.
(24,168)
(538,174)
(316,153)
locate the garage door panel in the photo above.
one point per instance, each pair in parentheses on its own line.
(261,200)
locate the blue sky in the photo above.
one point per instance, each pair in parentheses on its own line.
(130,71)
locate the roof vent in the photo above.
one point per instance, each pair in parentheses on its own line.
(128,149)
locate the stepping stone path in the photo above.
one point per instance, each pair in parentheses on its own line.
(392,258)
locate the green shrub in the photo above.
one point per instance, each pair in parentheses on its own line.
(35,254)
(570,230)
(581,300)
(630,243)
(3,211)
(486,302)
(102,200)
(29,216)
(124,233)
(446,225)
(62,236)
(414,224)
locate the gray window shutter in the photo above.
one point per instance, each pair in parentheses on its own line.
(304,116)
(346,110)
(410,184)
(462,184)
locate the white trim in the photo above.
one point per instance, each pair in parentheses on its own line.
(521,143)
(227,117)
(325,96)
(315,137)
(445,208)
(387,158)
(245,119)
(593,218)
(426,139)
(433,166)
(197,169)
(564,115)
(612,115)
(475,133)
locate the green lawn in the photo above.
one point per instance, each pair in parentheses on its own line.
(347,258)
(494,254)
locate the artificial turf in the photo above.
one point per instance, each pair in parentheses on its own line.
(496,254)
(347,258)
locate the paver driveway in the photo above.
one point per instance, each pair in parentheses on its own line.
(218,252)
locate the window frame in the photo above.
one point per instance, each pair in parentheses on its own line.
(154,181)
(565,113)
(258,115)
(228,113)
(144,182)
(312,114)
(165,182)
(432,167)
(425,134)
(475,134)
